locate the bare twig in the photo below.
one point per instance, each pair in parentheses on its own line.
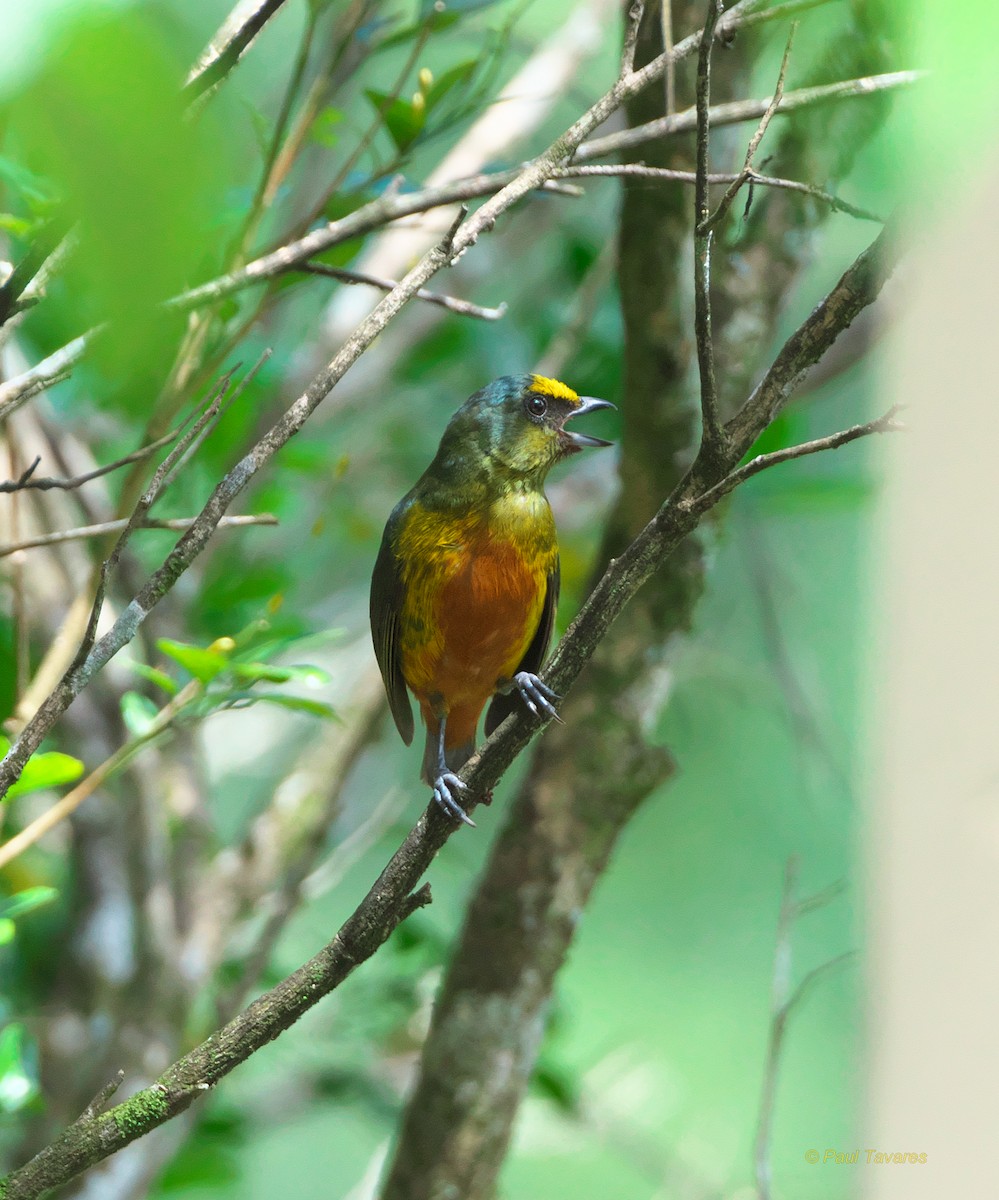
(736,111)
(883,424)
(100,1101)
(48,372)
(712,447)
(641,171)
(754,142)
(145,503)
(27,480)
(177,524)
(634,20)
(463,308)
(13,289)
(227,47)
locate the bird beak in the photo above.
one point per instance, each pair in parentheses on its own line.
(587,404)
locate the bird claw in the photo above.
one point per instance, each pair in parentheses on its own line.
(537,695)
(442,794)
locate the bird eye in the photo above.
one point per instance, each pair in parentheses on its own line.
(535,405)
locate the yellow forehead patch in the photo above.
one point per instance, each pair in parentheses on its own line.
(552,387)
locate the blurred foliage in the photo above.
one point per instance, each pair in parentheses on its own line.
(650,1075)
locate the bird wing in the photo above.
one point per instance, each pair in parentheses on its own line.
(502,706)
(386,604)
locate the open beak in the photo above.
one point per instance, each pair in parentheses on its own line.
(577,441)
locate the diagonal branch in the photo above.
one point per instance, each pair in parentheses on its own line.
(734,112)
(883,424)
(667,174)
(229,44)
(463,308)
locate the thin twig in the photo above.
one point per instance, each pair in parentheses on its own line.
(734,112)
(754,142)
(48,372)
(270,177)
(100,1101)
(138,516)
(883,424)
(177,524)
(27,481)
(641,171)
(712,447)
(228,46)
(463,307)
(635,13)
(378,123)
(14,289)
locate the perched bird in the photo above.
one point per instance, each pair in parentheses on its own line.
(466,581)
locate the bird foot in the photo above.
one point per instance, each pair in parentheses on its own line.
(443,785)
(536,695)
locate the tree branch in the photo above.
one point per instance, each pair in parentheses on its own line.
(641,171)
(229,44)
(177,524)
(754,142)
(27,480)
(883,424)
(736,111)
(45,374)
(463,308)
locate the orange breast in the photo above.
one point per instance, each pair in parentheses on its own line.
(468,616)
(487,613)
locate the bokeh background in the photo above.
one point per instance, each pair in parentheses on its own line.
(651,1077)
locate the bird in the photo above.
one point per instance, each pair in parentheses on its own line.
(466,580)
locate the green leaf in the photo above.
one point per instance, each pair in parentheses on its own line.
(202,664)
(256,670)
(323,129)
(26,900)
(33,188)
(403,120)
(17,1082)
(18,226)
(435,22)
(160,678)
(7,931)
(47,770)
(450,79)
(138,712)
(316,708)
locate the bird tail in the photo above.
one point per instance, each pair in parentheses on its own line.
(454,756)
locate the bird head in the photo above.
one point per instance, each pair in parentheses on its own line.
(515,427)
